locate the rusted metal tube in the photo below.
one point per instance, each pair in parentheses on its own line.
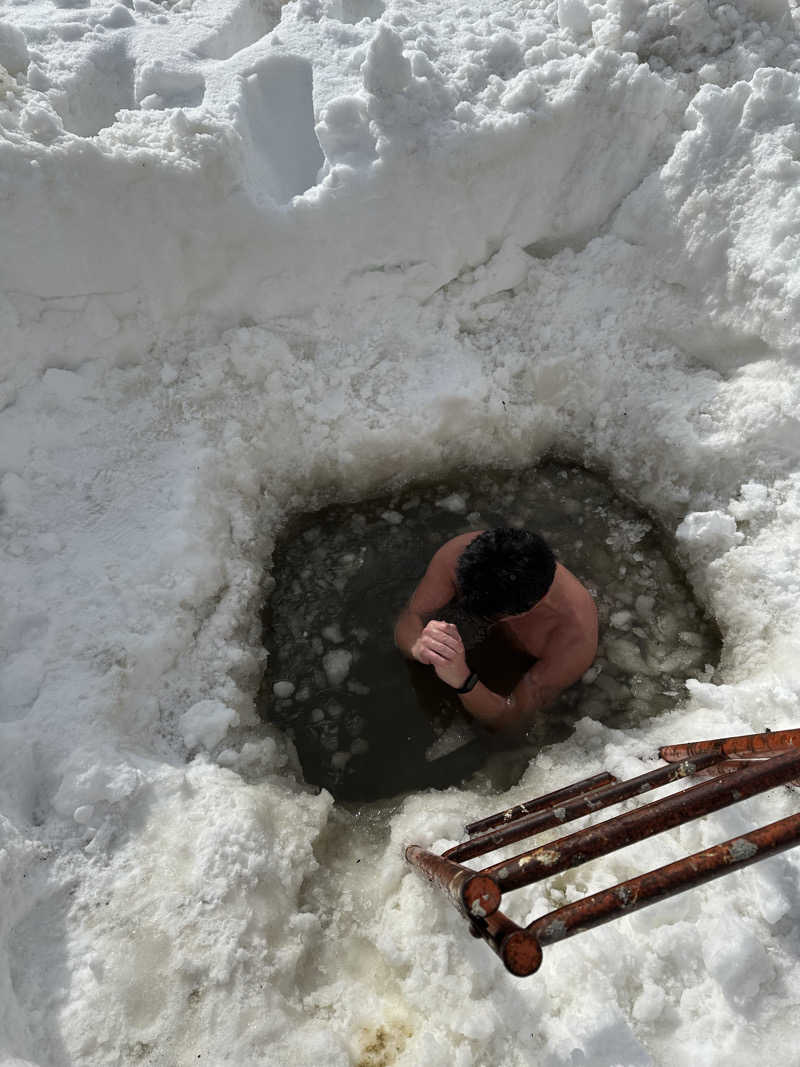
(666,881)
(475,895)
(517,948)
(538,803)
(643,822)
(526,825)
(770,743)
(727,766)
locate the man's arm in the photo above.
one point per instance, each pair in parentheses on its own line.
(437,588)
(562,664)
(408,628)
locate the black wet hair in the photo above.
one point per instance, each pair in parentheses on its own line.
(504,571)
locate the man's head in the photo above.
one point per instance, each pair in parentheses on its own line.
(504,572)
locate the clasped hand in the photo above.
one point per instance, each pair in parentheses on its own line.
(440,646)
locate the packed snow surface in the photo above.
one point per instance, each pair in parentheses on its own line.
(255,258)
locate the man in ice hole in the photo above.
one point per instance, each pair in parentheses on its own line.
(535,624)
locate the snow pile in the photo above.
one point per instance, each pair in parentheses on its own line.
(719,209)
(256,257)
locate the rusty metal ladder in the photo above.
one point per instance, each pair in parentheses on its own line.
(738,767)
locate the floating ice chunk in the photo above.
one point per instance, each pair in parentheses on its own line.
(591,675)
(455,503)
(264,752)
(610,686)
(206,723)
(333,633)
(336,664)
(625,655)
(355,724)
(283,689)
(455,736)
(394,518)
(644,606)
(689,637)
(317,715)
(677,662)
(621,619)
(339,760)
(83,814)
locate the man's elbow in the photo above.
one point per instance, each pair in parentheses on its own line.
(399,637)
(406,630)
(515,716)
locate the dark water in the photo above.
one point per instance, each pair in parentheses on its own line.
(367,724)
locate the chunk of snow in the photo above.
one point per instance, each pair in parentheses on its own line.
(206,723)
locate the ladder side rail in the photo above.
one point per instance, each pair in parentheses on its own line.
(667,881)
(539,803)
(643,822)
(598,799)
(763,745)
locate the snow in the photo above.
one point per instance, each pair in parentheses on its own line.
(206,723)
(257,257)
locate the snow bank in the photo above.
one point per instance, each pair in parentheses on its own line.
(100,271)
(252,258)
(719,209)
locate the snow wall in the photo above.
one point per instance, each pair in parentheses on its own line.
(253,258)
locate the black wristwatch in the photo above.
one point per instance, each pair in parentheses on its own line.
(469,685)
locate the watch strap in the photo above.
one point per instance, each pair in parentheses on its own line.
(469,685)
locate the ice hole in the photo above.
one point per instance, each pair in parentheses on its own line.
(367,724)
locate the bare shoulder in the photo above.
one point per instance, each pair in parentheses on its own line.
(438,585)
(447,556)
(578,624)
